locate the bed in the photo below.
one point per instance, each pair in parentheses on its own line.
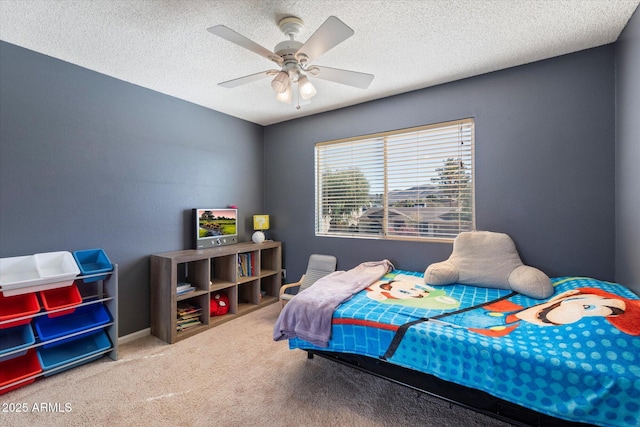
(570,359)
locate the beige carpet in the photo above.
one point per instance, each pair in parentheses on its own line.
(231,375)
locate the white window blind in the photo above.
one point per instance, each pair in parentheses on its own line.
(412,184)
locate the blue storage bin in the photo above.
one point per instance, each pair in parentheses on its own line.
(84,317)
(89,345)
(93,261)
(15,338)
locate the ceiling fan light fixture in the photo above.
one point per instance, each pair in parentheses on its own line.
(285,96)
(281,82)
(306,88)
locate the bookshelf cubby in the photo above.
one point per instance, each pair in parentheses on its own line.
(250,274)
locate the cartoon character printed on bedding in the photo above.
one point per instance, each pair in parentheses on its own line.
(502,317)
(410,291)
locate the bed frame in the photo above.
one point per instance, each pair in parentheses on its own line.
(470,398)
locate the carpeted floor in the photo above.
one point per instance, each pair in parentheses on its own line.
(231,375)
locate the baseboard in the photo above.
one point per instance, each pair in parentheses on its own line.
(134,336)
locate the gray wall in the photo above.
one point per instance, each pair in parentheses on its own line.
(89,161)
(545,137)
(628,155)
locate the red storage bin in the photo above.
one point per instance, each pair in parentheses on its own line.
(17,369)
(54,299)
(17,306)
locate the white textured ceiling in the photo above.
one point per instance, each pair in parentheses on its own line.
(408,44)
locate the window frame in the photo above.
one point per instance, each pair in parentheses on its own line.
(466,171)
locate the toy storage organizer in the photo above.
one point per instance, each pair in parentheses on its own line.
(56,312)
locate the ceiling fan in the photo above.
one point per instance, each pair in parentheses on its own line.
(294,59)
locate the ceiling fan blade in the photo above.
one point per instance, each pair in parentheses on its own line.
(345,77)
(230,35)
(247,79)
(331,33)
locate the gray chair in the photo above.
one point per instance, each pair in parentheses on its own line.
(318,267)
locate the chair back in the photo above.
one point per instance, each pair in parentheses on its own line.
(318,267)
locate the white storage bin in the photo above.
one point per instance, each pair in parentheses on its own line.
(19,270)
(39,272)
(58,267)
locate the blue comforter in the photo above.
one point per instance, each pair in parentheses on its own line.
(575,356)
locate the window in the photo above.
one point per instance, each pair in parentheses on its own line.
(411,184)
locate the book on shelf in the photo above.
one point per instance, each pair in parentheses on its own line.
(188,316)
(185,326)
(183,288)
(246,264)
(185,309)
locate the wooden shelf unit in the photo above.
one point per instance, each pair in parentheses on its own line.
(209,271)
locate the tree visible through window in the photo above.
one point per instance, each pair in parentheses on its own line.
(409,184)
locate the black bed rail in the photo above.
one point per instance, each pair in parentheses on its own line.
(456,394)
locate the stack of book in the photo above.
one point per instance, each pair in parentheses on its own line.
(246,264)
(184,288)
(188,316)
